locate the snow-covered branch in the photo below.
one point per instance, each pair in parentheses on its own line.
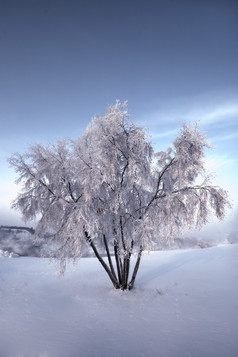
(111,191)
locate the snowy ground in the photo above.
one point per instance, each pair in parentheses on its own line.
(185,304)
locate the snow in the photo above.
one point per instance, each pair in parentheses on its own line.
(185,303)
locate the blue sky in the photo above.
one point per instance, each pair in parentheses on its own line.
(64,61)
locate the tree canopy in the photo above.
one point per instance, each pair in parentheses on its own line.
(110,188)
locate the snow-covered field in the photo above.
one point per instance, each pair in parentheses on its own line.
(185,304)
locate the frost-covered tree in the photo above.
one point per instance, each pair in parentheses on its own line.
(110,188)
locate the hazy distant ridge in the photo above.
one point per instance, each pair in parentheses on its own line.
(30,230)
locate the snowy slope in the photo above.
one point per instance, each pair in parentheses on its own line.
(185,304)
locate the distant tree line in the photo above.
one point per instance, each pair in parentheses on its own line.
(30,230)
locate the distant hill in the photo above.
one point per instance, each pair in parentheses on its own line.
(30,230)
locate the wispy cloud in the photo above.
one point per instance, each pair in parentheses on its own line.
(163,134)
(209,109)
(214,162)
(224,112)
(231,136)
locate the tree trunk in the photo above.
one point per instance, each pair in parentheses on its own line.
(125,271)
(109,256)
(122,269)
(131,284)
(110,274)
(118,262)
